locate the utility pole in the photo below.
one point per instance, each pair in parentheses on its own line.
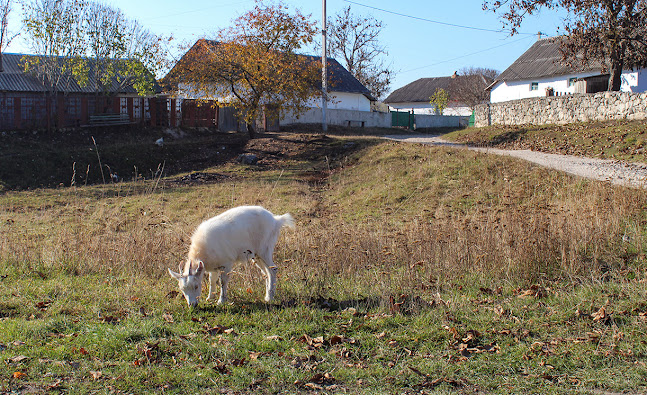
(324,69)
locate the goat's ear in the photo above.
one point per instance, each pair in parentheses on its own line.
(174,275)
(200,268)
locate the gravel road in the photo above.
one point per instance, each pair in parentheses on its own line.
(614,171)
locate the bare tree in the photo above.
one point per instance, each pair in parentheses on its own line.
(6,37)
(123,52)
(469,87)
(484,71)
(73,38)
(55,33)
(355,40)
(66,34)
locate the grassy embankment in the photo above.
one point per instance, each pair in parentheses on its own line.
(412,269)
(623,140)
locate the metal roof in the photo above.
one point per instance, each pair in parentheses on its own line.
(542,59)
(422,89)
(13,78)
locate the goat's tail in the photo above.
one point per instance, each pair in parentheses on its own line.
(285,220)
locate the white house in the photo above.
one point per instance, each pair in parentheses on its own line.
(540,72)
(345,92)
(416,95)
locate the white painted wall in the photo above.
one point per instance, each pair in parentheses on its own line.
(340,117)
(429,109)
(371,119)
(632,81)
(336,100)
(344,101)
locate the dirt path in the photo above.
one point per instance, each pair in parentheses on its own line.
(616,172)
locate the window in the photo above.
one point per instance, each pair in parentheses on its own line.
(534,86)
(571,81)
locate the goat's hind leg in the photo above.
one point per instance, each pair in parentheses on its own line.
(270,279)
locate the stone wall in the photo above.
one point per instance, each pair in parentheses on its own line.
(563,109)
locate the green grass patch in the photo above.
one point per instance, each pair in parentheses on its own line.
(624,140)
(412,269)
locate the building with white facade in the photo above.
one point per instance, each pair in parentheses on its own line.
(415,97)
(540,72)
(345,92)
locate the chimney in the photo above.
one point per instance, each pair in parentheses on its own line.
(454,75)
(539,34)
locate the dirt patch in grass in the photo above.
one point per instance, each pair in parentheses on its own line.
(274,149)
(94,156)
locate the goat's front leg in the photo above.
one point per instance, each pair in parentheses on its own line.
(224,280)
(212,286)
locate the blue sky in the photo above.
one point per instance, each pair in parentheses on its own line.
(424,38)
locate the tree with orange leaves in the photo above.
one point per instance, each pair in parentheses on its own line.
(253,65)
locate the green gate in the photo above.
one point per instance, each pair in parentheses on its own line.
(403,119)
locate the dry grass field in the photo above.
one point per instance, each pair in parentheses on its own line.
(413,269)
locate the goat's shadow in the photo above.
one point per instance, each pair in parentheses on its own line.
(403,304)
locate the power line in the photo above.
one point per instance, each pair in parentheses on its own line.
(434,21)
(197,10)
(464,56)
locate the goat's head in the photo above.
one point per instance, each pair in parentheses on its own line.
(190,283)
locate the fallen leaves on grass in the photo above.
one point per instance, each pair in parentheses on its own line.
(19,375)
(319,341)
(151,353)
(81,350)
(535,291)
(407,304)
(18,359)
(222,367)
(43,305)
(433,383)
(218,330)
(318,382)
(601,316)
(308,363)
(55,385)
(470,343)
(491,291)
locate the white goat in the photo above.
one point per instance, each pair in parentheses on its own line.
(238,235)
